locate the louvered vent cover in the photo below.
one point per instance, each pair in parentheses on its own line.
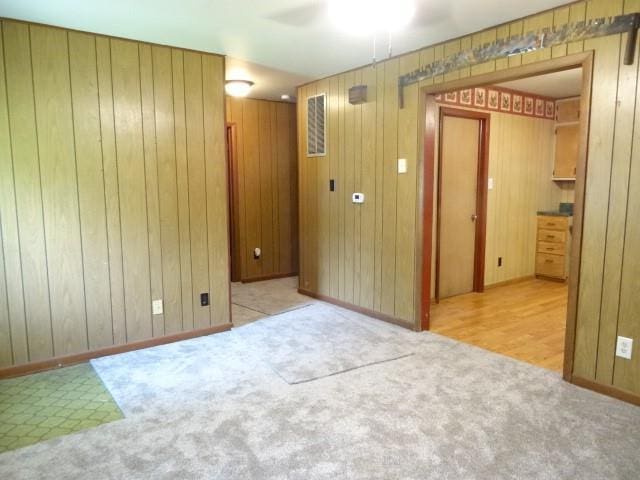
(316,125)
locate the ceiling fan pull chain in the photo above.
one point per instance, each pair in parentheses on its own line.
(374,49)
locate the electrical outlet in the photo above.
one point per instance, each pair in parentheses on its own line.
(204,299)
(402,165)
(156,307)
(624,347)
(357,198)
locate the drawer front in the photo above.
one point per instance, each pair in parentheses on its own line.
(553,223)
(550,265)
(550,247)
(552,236)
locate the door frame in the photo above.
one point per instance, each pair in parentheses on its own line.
(234,223)
(428,123)
(482,178)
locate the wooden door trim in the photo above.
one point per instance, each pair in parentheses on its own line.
(429,112)
(482,174)
(234,221)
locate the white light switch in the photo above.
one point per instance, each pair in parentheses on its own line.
(402,165)
(156,306)
(624,347)
(490,186)
(358,198)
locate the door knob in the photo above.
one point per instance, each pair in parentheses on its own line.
(474,217)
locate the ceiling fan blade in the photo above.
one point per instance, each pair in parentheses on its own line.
(304,15)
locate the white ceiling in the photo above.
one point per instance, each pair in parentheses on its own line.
(293,37)
(567,83)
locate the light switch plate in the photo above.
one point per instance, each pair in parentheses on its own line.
(402,165)
(490,186)
(357,197)
(157,307)
(624,347)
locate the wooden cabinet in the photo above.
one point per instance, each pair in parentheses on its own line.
(552,247)
(567,139)
(568,110)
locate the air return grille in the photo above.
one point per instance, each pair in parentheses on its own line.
(316,116)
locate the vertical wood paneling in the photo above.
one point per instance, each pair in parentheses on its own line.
(284,136)
(197,185)
(125,71)
(26,172)
(217,181)
(167,189)
(91,193)
(111,189)
(265,166)
(323,206)
(252,186)
(112,185)
(334,197)
(368,185)
(380,109)
(627,372)
(182,181)
(151,181)
(617,216)
(389,187)
(405,197)
(603,108)
(58,176)
(265,187)
(357,187)
(9,235)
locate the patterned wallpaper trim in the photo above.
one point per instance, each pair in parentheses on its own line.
(498,99)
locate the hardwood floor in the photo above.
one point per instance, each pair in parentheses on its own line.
(525,320)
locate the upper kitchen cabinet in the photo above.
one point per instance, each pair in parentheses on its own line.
(567,139)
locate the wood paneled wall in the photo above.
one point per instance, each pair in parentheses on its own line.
(365,254)
(113,191)
(265,162)
(521,165)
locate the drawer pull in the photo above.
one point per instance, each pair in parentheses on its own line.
(551,236)
(550,224)
(550,248)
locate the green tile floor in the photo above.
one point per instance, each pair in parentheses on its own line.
(45,405)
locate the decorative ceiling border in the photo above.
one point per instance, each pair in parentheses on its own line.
(500,100)
(529,42)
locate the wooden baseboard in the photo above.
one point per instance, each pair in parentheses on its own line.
(365,311)
(510,282)
(268,277)
(552,279)
(64,361)
(608,390)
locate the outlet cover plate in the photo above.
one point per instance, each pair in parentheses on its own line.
(157,307)
(624,347)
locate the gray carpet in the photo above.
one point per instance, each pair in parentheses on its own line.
(270,297)
(312,347)
(213,409)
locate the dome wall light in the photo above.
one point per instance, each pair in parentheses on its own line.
(364,17)
(238,88)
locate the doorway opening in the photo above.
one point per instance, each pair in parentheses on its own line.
(263,215)
(504,173)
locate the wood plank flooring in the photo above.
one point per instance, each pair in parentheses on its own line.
(525,320)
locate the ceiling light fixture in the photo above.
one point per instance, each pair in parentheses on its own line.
(364,17)
(238,88)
